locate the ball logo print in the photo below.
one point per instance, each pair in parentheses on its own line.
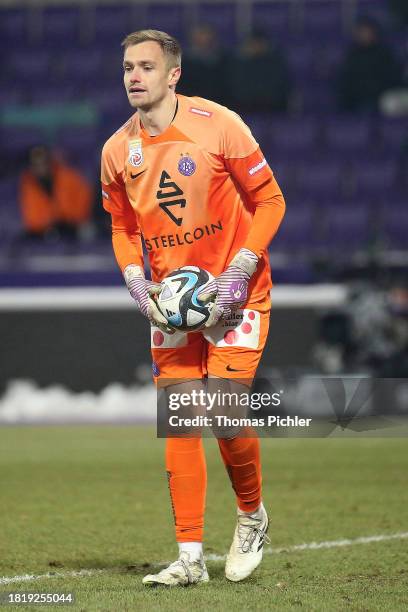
(178,300)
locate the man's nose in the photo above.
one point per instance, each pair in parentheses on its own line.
(135,76)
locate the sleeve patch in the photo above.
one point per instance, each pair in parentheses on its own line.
(200,111)
(257,167)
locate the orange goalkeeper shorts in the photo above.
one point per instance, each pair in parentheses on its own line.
(230,349)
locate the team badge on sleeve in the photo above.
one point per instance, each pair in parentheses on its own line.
(241,329)
(135,153)
(186,165)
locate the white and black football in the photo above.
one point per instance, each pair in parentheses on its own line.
(178,298)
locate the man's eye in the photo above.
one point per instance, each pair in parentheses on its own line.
(127,69)
(148,68)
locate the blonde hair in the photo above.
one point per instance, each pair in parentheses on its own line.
(169,45)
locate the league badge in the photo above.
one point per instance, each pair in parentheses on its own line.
(135,153)
(186,165)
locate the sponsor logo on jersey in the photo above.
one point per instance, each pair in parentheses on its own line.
(182,238)
(135,153)
(187,166)
(257,168)
(200,111)
(133,176)
(105,194)
(242,328)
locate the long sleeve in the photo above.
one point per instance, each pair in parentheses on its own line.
(256,179)
(126,235)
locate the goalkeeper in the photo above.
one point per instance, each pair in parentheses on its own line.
(188,176)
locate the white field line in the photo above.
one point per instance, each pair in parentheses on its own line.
(213,557)
(327,544)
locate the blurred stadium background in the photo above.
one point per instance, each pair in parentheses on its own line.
(339,263)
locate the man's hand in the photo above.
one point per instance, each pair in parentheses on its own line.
(142,291)
(230,289)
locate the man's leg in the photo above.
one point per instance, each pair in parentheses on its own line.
(240,447)
(185,463)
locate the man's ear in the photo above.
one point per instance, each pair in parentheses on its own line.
(174,76)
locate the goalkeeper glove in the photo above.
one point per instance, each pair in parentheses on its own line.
(230,289)
(142,291)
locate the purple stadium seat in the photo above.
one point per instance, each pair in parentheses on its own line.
(77,139)
(302,57)
(30,66)
(348,134)
(13,26)
(395,226)
(296,136)
(10,218)
(168,17)
(80,65)
(273,18)
(61,24)
(317,97)
(10,94)
(221,16)
(297,231)
(113,22)
(348,228)
(19,139)
(375,176)
(318,177)
(64,92)
(394,134)
(8,193)
(322,18)
(260,124)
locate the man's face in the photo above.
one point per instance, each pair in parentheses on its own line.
(147,77)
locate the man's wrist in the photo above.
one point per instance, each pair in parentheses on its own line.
(246,261)
(132,272)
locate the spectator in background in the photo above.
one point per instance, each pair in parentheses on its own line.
(259,77)
(204,66)
(368,70)
(53,196)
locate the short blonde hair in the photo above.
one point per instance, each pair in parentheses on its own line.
(169,45)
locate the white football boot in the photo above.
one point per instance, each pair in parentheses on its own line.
(182,572)
(246,549)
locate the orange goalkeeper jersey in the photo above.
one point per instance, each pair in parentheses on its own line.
(196,193)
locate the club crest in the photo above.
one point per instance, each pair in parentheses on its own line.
(186,165)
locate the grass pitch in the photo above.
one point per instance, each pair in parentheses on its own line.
(95,498)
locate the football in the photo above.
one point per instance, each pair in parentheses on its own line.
(178,299)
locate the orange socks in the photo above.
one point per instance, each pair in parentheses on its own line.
(241,457)
(187,475)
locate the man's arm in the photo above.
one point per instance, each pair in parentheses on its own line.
(127,246)
(256,179)
(126,235)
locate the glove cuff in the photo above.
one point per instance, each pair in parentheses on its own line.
(246,261)
(132,272)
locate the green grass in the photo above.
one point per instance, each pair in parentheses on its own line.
(76,498)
